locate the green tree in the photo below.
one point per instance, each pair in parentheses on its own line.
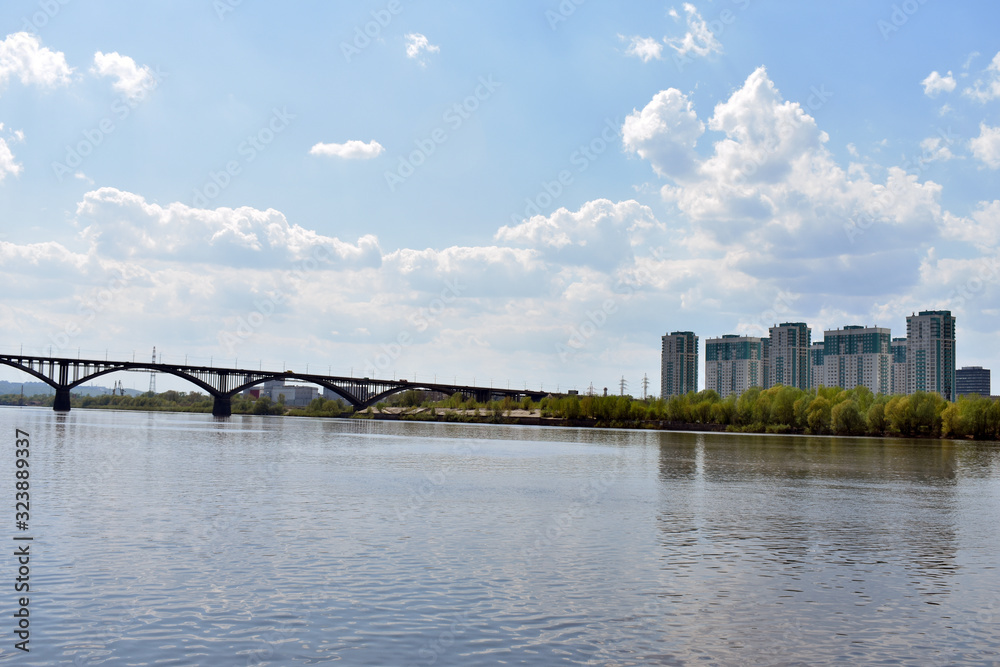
(847,419)
(875,417)
(818,416)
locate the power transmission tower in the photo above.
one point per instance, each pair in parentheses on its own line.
(645,385)
(623,384)
(152,376)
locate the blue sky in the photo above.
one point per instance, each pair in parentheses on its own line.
(522,192)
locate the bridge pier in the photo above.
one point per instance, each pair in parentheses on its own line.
(61,403)
(223,406)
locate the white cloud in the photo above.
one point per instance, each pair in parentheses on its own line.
(665,133)
(699,39)
(981,229)
(23,56)
(7,161)
(644,48)
(770,196)
(130,79)
(124,226)
(934,150)
(986,147)
(416,44)
(987,87)
(935,84)
(600,234)
(350,150)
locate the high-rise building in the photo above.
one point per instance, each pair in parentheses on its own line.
(788,355)
(816,376)
(900,376)
(972,380)
(857,355)
(733,364)
(930,353)
(679,364)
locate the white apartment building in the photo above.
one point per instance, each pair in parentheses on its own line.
(733,364)
(678,364)
(930,353)
(858,356)
(788,355)
(816,376)
(900,377)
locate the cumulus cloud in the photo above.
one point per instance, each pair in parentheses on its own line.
(935,84)
(643,48)
(22,56)
(770,196)
(130,79)
(600,234)
(986,147)
(350,150)
(123,225)
(665,133)
(8,165)
(986,87)
(981,228)
(417,44)
(698,39)
(934,149)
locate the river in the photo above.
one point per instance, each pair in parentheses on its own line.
(179,539)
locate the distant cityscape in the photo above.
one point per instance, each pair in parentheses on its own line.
(848,357)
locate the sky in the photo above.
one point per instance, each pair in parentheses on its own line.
(515,194)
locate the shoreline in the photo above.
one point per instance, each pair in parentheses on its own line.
(452,417)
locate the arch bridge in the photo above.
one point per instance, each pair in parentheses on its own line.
(222,384)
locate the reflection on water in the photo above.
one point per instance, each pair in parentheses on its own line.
(181,539)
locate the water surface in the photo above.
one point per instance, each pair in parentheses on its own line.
(174,539)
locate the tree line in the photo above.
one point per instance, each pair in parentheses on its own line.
(778,409)
(782,409)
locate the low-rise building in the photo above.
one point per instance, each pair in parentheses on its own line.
(973,380)
(296,395)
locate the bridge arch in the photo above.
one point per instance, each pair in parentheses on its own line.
(29,371)
(352,400)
